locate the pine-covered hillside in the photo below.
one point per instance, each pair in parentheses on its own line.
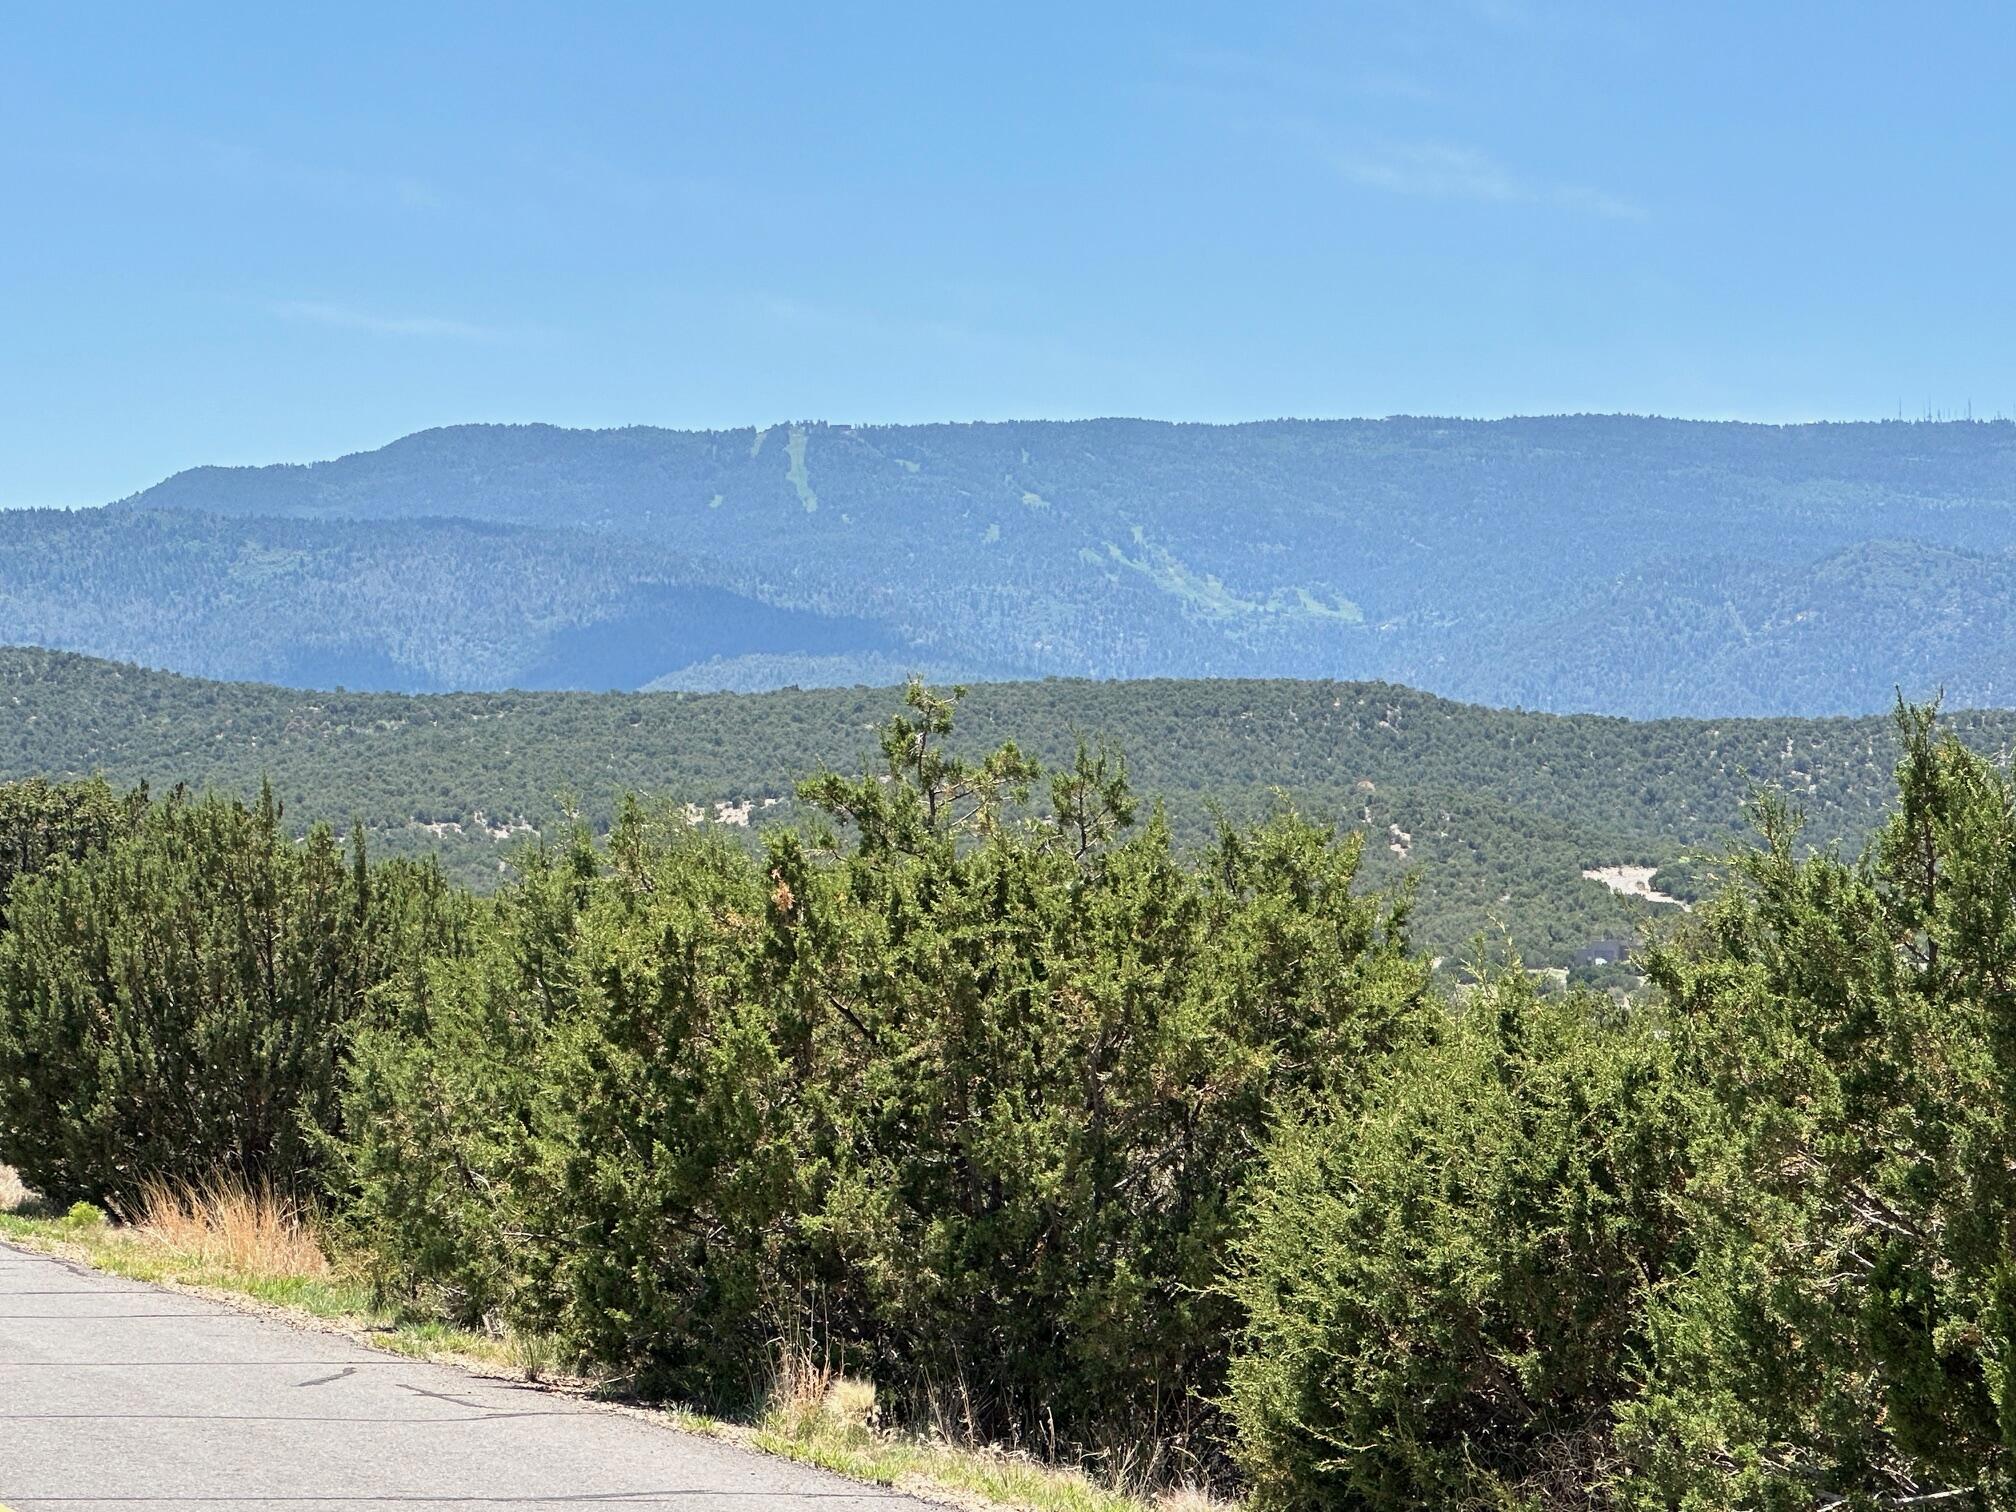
(1498,813)
(1603,563)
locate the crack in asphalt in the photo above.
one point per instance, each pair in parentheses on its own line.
(341,1375)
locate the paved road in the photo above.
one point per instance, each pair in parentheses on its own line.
(115,1395)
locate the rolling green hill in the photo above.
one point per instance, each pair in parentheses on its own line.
(1498,813)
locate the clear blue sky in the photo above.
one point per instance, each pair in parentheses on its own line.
(245,233)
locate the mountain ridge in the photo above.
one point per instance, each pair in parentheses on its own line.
(1626,564)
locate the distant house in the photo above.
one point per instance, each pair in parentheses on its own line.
(1603,953)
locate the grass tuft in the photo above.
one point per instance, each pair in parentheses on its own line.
(816,1413)
(810,1397)
(536,1356)
(243,1230)
(15,1197)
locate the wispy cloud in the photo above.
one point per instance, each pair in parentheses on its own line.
(1439,170)
(1377,125)
(346,317)
(1240,75)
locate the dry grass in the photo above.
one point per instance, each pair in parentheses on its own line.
(818,1414)
(14,1196)
(811,1396)
(226,1223)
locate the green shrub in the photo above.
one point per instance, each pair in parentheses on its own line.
(46,823)
(1847,1334)
(1043,1056)
(173,1005)
(586,1127)
(966,1100)
(1444,1288)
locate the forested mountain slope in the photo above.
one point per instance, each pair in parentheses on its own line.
(402,604)
(1619,564)
(1498,812)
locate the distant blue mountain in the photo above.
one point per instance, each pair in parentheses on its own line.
(1606,563)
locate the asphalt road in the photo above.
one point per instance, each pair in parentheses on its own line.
(115,1395)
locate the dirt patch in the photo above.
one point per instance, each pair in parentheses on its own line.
(1634,882)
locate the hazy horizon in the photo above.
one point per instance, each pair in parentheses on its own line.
(307,460)
(254,235)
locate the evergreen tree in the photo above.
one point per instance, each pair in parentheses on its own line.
(1844,1335)
(174,1004)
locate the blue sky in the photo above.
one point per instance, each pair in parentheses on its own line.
(265,233)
